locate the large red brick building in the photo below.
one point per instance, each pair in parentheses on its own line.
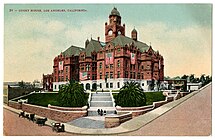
(107,65)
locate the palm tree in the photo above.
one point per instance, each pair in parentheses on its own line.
(72,95)
(131,95)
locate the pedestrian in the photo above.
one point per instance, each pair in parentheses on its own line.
(98,111)
(102,90)
(115,112)
(101,113)
(104,112)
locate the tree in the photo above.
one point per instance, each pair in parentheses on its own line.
(131,95)
(21,84)
(202,79)
(192,78)
(72,95)
(208,79)
(167,78)
(184,77)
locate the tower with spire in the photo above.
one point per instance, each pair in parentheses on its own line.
(114,28)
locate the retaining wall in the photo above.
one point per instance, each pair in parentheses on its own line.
(68,108)
(15,105)
(141,112)
(137,111)
(184,94)
(113,121)
(53,112)
(133,108)
(158,104)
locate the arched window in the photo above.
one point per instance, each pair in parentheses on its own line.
(87,86)
(94,86)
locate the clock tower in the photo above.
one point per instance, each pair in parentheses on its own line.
(114,28)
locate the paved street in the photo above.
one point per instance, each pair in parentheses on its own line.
(15,126)
(191,118)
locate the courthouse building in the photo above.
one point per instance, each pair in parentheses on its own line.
(108,64)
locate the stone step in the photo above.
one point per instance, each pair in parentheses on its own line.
(95,113)
(100,94)
(102,99)
(92,111)
(101,104)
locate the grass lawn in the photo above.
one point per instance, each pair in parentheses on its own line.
(43,99)
(154,97)
(150,97)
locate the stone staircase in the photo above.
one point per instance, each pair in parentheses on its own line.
(101,101)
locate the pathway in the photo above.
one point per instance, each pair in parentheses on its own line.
(89,122)
(94,120)
(100,101)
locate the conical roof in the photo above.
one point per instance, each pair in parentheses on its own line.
(114,12)
(134,31)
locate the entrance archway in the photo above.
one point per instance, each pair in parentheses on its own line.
(87,86)
(94,86)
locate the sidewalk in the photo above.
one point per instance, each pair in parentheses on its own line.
(193,117)
(137,125)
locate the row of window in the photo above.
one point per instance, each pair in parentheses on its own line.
(61,79)
(61,71)
(107,75)
(132,67)
(88,67)
(132,75)
(110,85)
(111,65)
(82,57)
(118,50)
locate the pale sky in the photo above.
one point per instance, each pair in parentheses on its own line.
(181,33)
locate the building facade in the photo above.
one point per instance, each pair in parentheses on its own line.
(107,65)
(47,82)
